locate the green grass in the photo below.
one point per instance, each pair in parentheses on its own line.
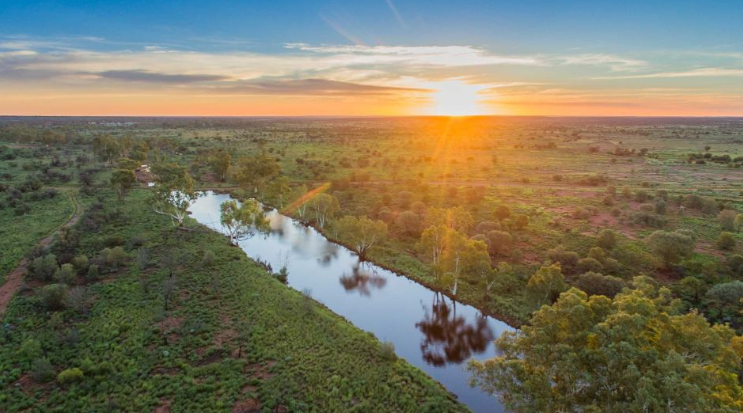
(136,356)
(19,234)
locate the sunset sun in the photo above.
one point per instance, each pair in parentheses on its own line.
(457,98)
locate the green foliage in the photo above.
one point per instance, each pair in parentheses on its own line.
(387,351)
(70,376)
(545,285)
(122,180)
(593,283)
(65,274)
(43,268)
(633,353)
(671,246)
(726,241)
(361,234)
(54,296)
(723,303)
(607,239)
(243,221)
(42,371)
(727,219)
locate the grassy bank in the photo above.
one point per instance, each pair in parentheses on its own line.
(230,338)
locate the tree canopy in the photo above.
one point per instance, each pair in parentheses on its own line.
(635,353)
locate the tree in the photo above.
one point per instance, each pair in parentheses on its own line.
(463,256)
(122,180)
(546,284)
(278,188)
(361,233)
(219,162)
(432,242)
(594,283)
(256,171)
(409,223)
(726,241)
(723,303)
(671,246)
(324,206)
(457,218)
(243,221)
(501,212)
(174,192)
(634,353)
(589,265)
(499,243)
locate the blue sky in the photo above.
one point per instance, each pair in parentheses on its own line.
(555,57)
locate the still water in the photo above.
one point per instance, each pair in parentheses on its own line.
(428,329)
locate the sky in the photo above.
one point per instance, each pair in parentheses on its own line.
(371,57)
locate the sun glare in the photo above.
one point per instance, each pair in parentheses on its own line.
(457,98)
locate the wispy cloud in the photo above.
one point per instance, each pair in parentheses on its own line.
(153,77)
(701,72)
(615,63)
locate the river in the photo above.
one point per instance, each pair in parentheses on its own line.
(429,330)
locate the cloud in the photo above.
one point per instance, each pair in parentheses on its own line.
(153,77)
(279,86)
(701,72)
(615,63)
(443,56)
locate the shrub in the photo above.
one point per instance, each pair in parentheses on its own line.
(113,241)
(93,272)
(43,268)
(589,265)
(54,296)
(671,246)
(611,266)
(567,259)
(79,299)
(727,218)
(70,376)
(597,253)
(81,263)
(607,239)
(208,258)
(594,283)
(409,223)
(735,263)
(726,241)
(723,301)
(143,258)
(65,274)
(499,243)
(387,351)
(42,371)
(114,257)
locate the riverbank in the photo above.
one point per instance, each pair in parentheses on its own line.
(415,270)
(231,336)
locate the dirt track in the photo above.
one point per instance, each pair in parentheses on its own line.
(15,278)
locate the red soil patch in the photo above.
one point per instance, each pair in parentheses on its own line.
(260,371)
(171,323)
(247,406)
(164,406)
(15,278)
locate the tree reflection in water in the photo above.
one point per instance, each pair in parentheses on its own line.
(448,338)
(362,280)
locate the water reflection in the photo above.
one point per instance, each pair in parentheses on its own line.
(437,337)
(362,280)
(449,338)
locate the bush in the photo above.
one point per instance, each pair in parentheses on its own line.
(671,246)
(81,263)
(387,351)
(79,299)
(65,274)
(114,257)
(43,268)
(499,243)
(727,218)
(735,263)
(589,265)
(54,296)
(113,241)
(42,371)
(409,223)
(208,259)
(567,259)
(594,283)
(607,239)
(93,272)
(726,241)
(70,376)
